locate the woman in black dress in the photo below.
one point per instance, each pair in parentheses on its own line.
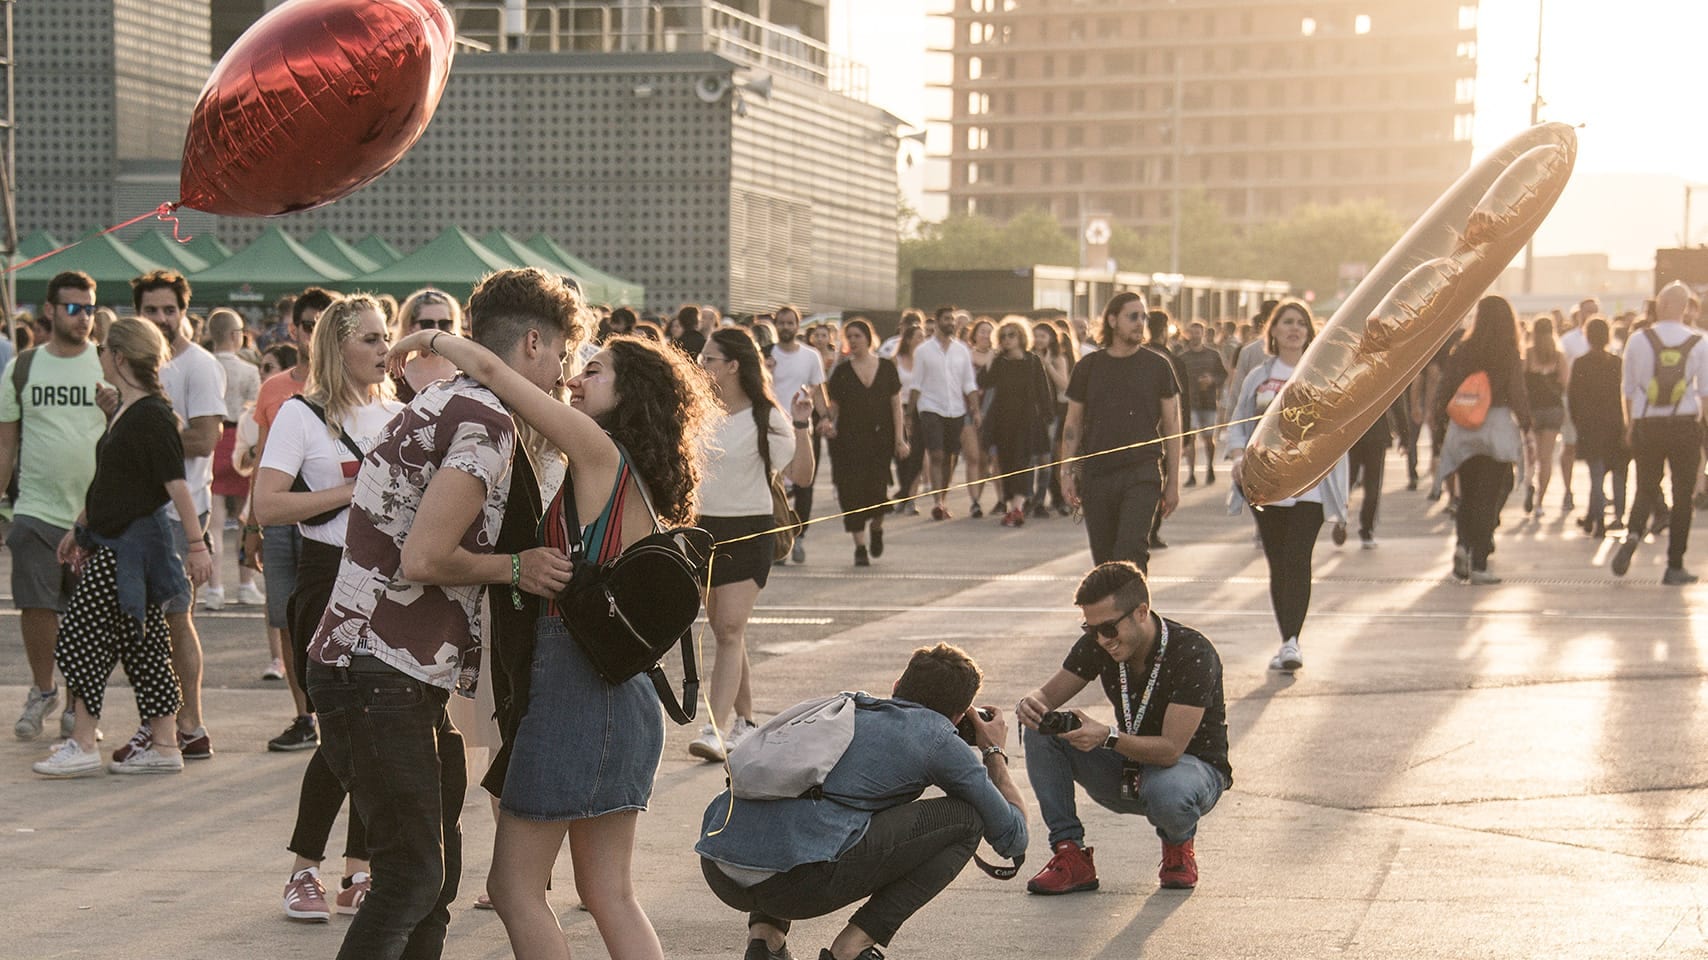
(1021,408)
(865,432)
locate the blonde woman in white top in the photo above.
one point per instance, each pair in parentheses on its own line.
(753,439)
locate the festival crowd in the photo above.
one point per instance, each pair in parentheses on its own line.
(411,487)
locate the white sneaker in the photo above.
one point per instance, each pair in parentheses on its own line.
(274,671)
(37,705)
(149,760)
(213,598)
(70,760)
(1288,658)
(706,745)
(250,595)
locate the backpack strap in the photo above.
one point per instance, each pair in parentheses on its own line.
(21,375)
(320,414)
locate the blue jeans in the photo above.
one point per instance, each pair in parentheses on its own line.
(388,740)
(1173,798)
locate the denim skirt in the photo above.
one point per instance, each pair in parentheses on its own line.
(585,748)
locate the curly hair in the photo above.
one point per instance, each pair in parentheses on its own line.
(663,415)
(507,304)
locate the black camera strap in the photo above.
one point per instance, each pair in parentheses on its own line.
(1127,717)
(1008,872)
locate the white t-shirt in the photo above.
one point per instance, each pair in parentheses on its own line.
(1267,391)
(943,377)
(195,383)
(1574,343)
(299,443)
(734,482)
(242,384)
(802,368)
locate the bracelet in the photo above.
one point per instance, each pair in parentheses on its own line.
(802,424)
(249,528)
(995,752)
(516,580)
(433,348)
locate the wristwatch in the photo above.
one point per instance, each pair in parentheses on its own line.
(1113,738)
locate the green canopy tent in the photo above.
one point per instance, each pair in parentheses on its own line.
(329,247)
(272,266)
(376,249)
(600,287)
(453,262)
(505,245)
(103,257)
(208,247)
(37,244)
(161,248)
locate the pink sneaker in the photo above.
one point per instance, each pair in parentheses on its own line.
(305,898)
(349,899)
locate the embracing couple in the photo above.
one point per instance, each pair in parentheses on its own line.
(447,506)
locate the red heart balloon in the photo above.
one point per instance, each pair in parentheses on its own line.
(314,101)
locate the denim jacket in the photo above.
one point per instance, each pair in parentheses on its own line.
(150,571)
(899,749)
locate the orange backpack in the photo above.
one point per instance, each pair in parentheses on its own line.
(1470,404)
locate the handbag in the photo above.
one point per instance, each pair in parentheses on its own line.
(299,485)
(627,612)
(786,525)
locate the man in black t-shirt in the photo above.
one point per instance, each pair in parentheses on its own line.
(1120,396)
(1167,757)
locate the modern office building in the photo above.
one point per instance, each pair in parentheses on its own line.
(714,153)
(1084,108)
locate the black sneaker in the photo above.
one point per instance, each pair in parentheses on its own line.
(877,541)
(757,950)
(975,511)
(300,735)
(861,559)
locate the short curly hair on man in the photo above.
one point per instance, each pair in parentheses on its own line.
(507,304)
(943,678)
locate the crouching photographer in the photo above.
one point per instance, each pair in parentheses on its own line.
(824,808)
(1166,761)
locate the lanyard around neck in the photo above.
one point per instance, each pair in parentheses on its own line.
(1128,718)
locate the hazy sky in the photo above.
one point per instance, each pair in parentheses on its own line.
(1632,71)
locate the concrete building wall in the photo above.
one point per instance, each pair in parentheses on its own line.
(1264,105)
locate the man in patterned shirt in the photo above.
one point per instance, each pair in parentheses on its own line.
(402,630)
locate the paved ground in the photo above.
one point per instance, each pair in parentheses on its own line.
(1458,772)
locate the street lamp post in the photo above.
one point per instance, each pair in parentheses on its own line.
(1535,118)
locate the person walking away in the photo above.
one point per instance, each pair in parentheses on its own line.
(1597,411)
(1288,527)
(1544,382)
(1483,456)
(1665,379)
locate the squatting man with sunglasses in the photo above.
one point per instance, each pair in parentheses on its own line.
(1167,757)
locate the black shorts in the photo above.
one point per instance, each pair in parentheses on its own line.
(743,560)
(942,433)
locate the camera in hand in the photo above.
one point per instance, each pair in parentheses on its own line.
(1058,722)
(964,726)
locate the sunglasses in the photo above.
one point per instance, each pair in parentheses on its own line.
(1109,629)
(307,325)
(77,309)
(446,324)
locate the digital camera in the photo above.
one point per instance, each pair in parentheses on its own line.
(964,726)
(1058,722)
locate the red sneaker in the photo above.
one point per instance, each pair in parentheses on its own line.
(142,739)
(1013,518)
(1179,866)
(1069,871)
(939,513)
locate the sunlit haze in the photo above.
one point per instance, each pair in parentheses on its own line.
(1630,72)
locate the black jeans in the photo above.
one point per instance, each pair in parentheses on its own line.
(1367,459)
(1599,470)
(1120,510)
(322,795)
(1289,535)
(908,855)
(1484,485)
(1673,444)
(387,738)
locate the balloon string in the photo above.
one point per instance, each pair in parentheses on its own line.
(1000,476)
(164,212)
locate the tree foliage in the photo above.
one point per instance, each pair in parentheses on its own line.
(1305,248)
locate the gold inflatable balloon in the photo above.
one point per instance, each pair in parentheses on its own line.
(1404,311)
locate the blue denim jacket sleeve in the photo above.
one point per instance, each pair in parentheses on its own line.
(149,569)
(957,770)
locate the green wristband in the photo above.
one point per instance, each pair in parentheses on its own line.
(516,580)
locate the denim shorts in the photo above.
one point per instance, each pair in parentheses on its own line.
(281,549)
(585,748)
(39,580)
(182,602)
